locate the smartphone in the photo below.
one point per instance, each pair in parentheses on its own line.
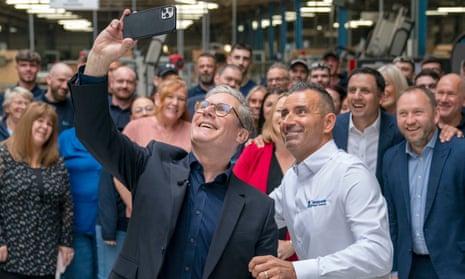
(150,22)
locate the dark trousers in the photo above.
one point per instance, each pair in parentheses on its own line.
(11,275)
(422,268)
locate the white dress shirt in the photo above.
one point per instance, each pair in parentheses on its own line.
(364,144)
(337,218)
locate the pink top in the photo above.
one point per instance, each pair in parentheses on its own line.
(146,129)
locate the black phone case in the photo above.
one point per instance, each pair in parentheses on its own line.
(150,22)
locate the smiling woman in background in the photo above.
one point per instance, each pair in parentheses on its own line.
(14,103)
(36,211)
(254,100)
(395,83)
(171,122)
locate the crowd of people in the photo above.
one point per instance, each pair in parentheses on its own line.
(312,173)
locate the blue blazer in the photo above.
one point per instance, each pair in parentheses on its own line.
(389,136)
(444,224)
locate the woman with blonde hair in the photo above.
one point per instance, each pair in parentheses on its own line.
(14,103)
(395,82)
(254,100)
(171,122)
(36,211)
(264,167)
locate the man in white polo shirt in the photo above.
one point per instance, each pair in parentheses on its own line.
(329,201)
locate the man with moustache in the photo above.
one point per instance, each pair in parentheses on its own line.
(366,131)
(57,95)
(329,201)
(241,56)
(424,186)
(205,68)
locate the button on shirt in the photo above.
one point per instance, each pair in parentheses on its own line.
(336,215)
(418,170)
(196,225)
(364,144)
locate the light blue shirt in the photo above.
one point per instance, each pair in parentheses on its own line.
(418,171)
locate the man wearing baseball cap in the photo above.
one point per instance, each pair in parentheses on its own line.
(298,71)
(164,72)
(331,59)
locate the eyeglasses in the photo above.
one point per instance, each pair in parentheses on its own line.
(403,59)
(141,109)
(220,109)
(319,65)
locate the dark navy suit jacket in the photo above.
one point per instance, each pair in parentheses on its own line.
(444,224)
(389,136)
(154,176)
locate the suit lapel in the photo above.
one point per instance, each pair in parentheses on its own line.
(403,178)
(341,132)
(385,135)
(178,181)
(232,208)
(440,154)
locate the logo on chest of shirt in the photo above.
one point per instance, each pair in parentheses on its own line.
(315,203)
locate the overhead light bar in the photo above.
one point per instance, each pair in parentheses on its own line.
(435,13)
(189,2)
(319,3)
(451,9)
(315,9)
(15,2)
(58,16)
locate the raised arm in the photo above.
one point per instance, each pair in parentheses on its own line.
(108,47)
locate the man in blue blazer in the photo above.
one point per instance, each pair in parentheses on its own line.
(424,184)
(192,217)
(366,131)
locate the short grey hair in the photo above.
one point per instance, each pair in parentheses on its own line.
(244,112)
(14,92)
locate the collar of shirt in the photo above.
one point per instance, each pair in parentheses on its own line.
(313,163)
(429,146)
(375,126)
(197,172)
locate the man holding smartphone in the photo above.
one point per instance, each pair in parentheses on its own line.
(192,217)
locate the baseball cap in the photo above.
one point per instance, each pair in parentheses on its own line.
(298,61)
(330,54)
(167,69)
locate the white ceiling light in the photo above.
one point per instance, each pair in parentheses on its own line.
(435,13)
(315,9)
(451,9)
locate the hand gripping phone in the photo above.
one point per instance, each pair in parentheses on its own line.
(150,22)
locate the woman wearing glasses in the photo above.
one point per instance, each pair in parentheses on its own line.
(142,106)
